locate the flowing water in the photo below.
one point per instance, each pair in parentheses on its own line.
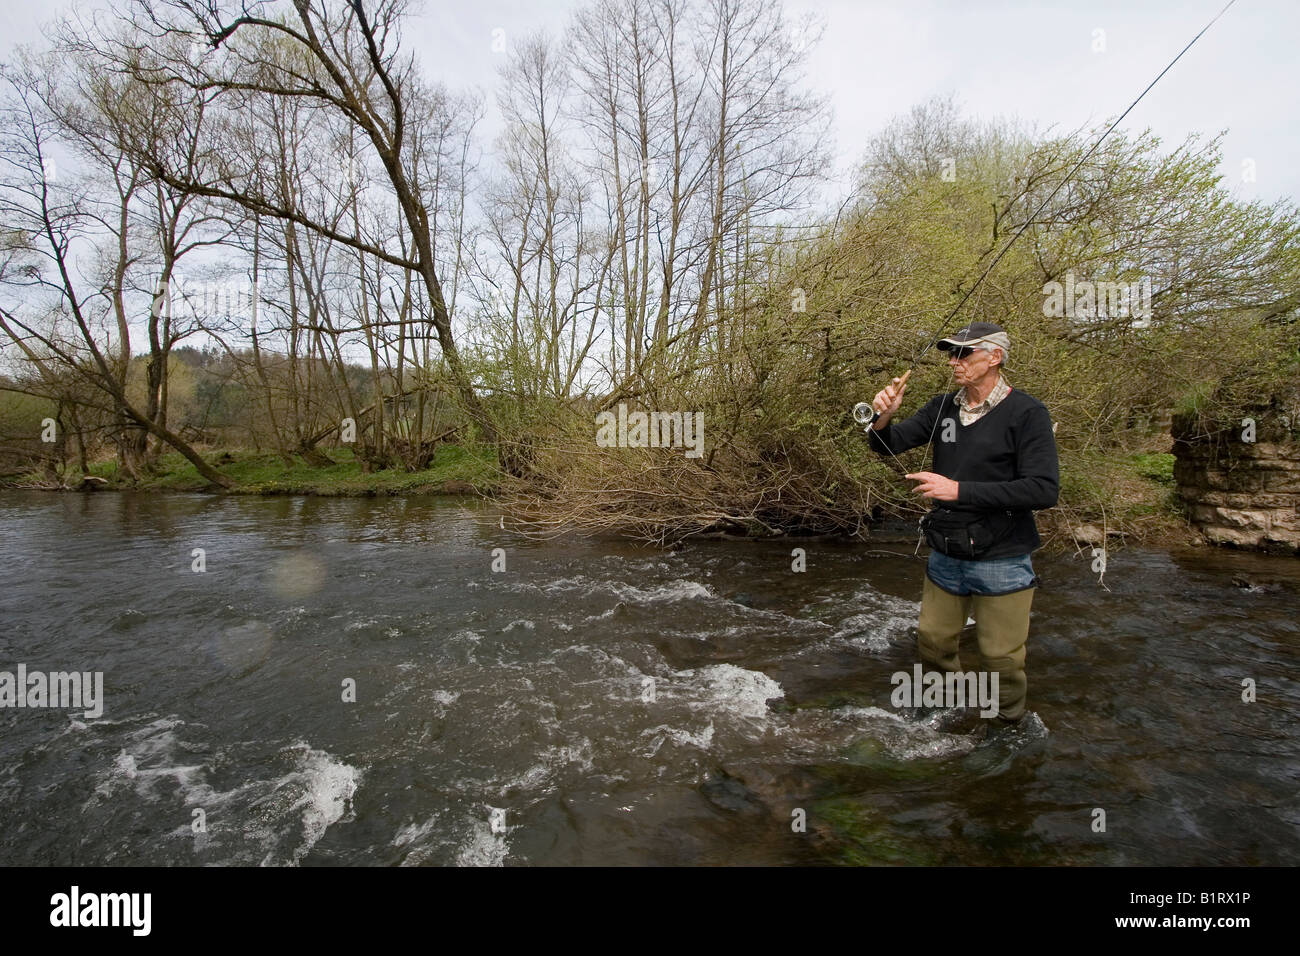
(597,702)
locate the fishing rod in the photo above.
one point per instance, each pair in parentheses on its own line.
(862,412)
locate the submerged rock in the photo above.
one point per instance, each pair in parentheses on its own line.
(727,793)
(89,483)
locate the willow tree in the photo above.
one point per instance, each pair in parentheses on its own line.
(345,59)
(91,241)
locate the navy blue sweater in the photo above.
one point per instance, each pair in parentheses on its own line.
(1005,461)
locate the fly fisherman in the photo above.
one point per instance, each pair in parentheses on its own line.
(994,465)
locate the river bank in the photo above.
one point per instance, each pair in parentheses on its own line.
(1150,513)
(455,470)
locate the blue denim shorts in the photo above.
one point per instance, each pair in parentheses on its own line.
(994,576)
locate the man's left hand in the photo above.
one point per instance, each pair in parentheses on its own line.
(934,486)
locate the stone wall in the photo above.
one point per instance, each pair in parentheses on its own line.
(1241,492)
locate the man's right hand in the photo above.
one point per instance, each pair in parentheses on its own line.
(888,400)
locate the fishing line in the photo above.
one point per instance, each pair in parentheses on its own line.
(1070,175)
(898,461)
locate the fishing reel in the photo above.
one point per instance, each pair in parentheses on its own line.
(865,414)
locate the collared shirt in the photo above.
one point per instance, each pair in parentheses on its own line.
(973,413)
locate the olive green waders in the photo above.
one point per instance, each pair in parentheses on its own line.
(1001,627)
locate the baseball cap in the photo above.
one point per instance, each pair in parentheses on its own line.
(978,333)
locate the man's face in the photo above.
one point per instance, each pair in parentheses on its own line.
(973,366)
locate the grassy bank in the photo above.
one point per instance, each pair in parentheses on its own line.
(1129,496)
(454,470)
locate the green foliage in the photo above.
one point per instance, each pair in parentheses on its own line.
(21,414)
(20,431)
(1155,466)
(1194,399)
(775,383)
(267,474)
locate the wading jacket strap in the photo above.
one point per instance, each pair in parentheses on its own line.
(1005,461)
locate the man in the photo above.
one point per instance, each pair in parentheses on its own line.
(995,463)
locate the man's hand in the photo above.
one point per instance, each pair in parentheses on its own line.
(934,486)
(888,400)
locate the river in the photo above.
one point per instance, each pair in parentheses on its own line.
(349,682)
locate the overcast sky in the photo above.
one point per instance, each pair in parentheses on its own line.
(1034,61)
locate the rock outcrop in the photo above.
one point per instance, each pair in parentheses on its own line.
(1242,484)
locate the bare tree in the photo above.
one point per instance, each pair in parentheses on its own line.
(343,58)
(65,322)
